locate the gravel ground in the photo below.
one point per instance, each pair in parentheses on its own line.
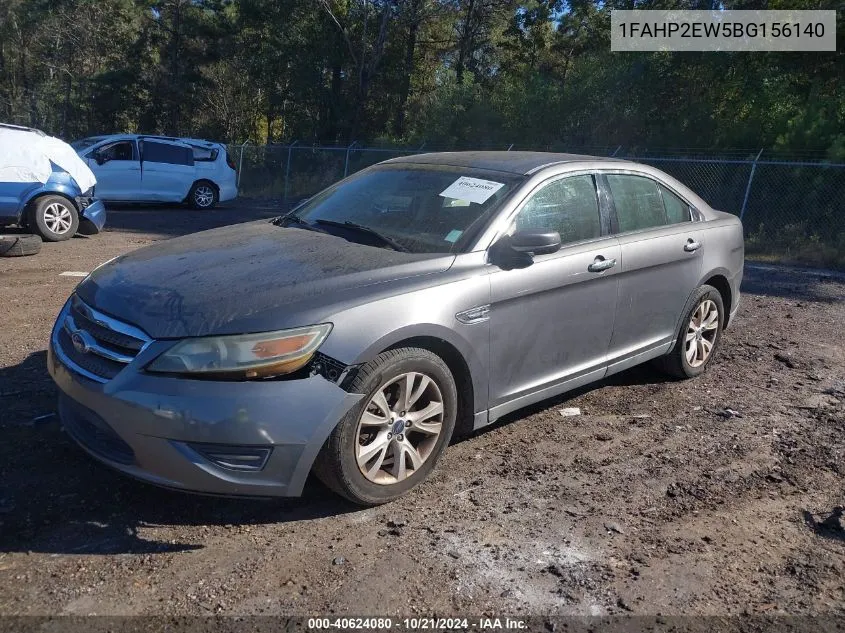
(713,496)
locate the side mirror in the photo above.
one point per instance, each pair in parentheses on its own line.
(536,242)
(99,158)
(518,250)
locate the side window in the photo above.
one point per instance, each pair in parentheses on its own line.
(637,200)
(568,206)
(166,153)
(676,209)
(123,150)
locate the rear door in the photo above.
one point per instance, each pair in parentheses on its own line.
(167,170)
(117,167)
(660,264)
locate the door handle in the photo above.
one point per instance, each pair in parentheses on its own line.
(691,246)
(600,263)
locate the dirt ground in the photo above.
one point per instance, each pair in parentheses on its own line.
(712,496)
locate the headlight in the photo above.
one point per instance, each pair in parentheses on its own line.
(243,356)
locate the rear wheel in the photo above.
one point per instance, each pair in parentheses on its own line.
(392,440)
(54,218)
(203,195)
(698,340)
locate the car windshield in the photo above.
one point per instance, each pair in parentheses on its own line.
(419,208)
(86,142)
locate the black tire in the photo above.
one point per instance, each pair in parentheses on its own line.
(19,245)
(336,465)
(675,363)
(198,197)
(46,207)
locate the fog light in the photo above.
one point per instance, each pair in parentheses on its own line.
(243,458)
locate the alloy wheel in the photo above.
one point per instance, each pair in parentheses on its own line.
(399,428)
(204,196)
(57,218)
(701,333)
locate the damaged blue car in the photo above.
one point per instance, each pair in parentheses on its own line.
(45,187)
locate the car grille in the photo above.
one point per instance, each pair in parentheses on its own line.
(93,344)
(90,430)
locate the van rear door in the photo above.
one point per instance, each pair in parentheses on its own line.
(167,170)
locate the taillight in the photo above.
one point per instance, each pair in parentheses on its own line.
(229,161)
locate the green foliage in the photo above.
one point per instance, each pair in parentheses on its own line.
(796,244)
(456,73)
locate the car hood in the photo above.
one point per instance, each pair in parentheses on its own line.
(243,278)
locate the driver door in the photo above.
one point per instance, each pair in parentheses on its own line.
(551,323)
(117,167)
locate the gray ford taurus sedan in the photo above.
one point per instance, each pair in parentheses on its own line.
(353,336)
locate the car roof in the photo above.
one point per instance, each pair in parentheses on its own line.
(522,163)
(527,163)
(159,137)
(22,128)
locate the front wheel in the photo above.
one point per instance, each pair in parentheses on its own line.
(698,340)
(203,195)
(54,218)
(394,437)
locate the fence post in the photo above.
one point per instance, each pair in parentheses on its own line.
(287,175)
(241,165)
(346,164)
(748,186)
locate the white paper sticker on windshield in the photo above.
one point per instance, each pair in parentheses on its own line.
(472,189)
(453,236)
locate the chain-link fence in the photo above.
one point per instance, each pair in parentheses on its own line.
(294,171)
(791,210)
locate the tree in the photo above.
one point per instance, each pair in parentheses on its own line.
(462,73)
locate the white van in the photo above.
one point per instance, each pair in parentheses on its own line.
(142,168)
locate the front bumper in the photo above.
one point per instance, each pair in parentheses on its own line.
(92,218)
(149,426)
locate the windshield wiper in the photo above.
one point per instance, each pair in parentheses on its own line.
(389,241)
(287,220)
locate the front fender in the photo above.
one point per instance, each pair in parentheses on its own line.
(432,330)
(362,332)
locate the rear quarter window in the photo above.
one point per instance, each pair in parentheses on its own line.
(677,210)
(205,154)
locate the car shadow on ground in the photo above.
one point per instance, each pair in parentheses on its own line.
(13,230)
(639,375)
(56,499)
(19,230)
(830,525)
